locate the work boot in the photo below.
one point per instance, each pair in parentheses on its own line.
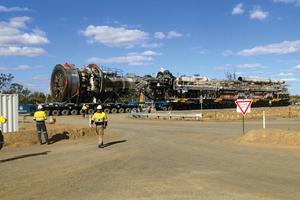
(47,142)
(40,143)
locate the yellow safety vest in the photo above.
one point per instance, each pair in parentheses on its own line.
(2,119)
(84,108)
(40,116)
(99,118)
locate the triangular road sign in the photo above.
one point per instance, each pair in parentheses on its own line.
(243,106)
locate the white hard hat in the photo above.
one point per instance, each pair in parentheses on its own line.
(40,107)
(99,107)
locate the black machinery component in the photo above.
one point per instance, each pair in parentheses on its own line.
(88,84)
(64,82)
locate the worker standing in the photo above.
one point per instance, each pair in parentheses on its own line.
(100,120)
(2,120)
(40,117)
(270,103)
(84,110)
(149,109)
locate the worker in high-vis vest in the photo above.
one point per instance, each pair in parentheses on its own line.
(2,120)
(84,110)
(100,120)
(40,117)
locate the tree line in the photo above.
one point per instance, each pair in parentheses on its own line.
(25,95)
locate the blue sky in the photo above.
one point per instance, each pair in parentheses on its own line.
(257,38)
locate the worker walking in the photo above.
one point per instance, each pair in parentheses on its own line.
(2,120)
(40,117)
(84,110)
(100,120)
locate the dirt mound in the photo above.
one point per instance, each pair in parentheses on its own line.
(28,135)
(271,136)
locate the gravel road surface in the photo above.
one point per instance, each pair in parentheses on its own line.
(154,159)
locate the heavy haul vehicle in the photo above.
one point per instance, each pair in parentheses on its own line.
(93,86)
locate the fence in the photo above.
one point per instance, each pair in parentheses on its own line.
(9,110)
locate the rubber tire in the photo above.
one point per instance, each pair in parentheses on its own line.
(121,110)
(128,110)
(47,112)
(55,112)
(106,110)
(114,110)
(90,111)
(74,112)
(165,108)
(65,112)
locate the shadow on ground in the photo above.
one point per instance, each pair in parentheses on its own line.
(59,136)
(25,156)
(112,143)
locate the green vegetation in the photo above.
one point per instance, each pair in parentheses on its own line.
(25,95)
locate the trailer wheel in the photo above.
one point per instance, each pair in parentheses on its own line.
(90,111)
(55,112)
(47,112)
(114,110)
(170,108)
(65,112)
(80,112)
(121,110)
(165,108)
(106,110)
(128,110)
(74,112)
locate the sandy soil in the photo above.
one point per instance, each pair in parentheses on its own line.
(154,159)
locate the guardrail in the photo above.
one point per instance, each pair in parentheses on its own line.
(170,115)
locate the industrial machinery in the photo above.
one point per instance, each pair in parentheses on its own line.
(187,92)
(88,84)
(92,84)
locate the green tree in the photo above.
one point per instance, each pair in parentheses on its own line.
(36,97)
(25,95)
(231,76)
(5,81)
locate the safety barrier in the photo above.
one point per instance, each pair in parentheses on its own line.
(169,115)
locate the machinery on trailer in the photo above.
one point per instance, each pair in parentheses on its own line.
(93,86)
(187,92)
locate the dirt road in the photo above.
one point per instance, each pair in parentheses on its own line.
(154,159)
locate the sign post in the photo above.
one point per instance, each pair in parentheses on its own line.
(243,106)
(264,120)
(201,102)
